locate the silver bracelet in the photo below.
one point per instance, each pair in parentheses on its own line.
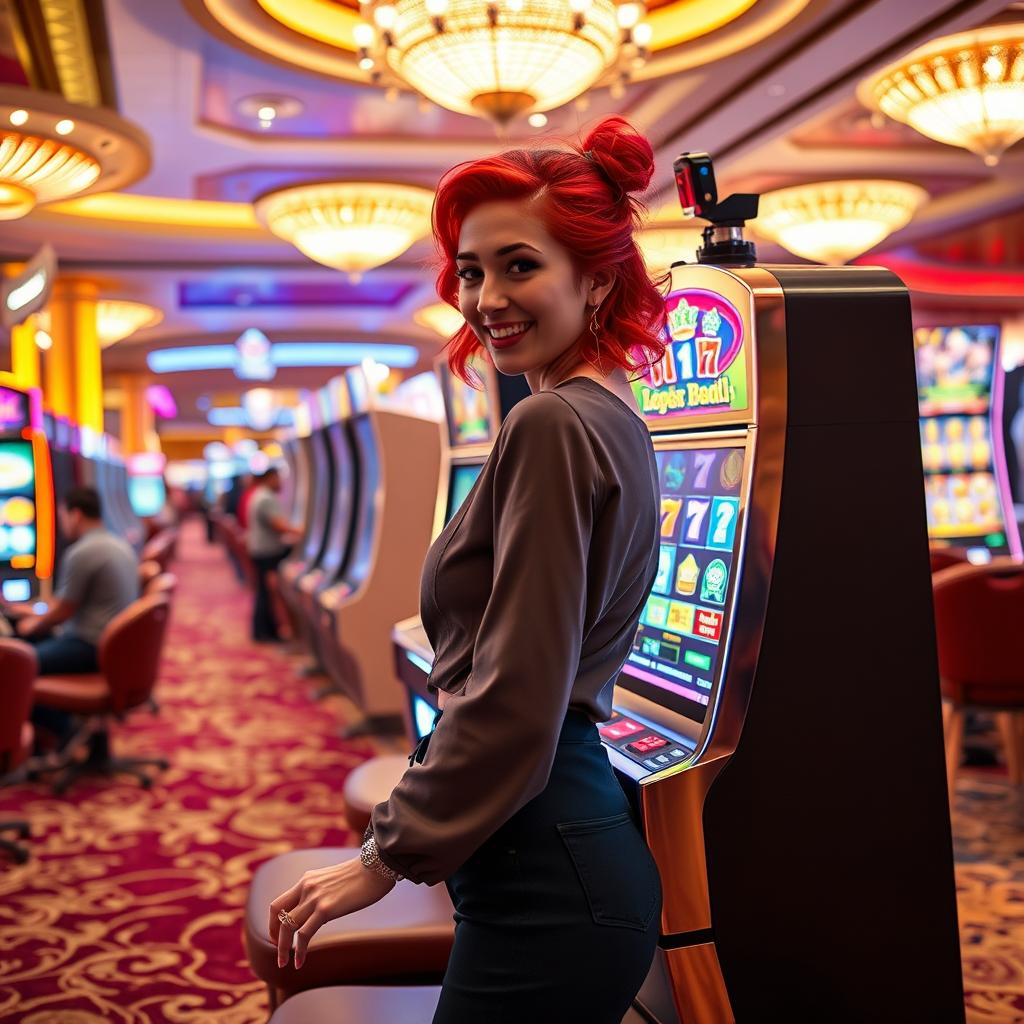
(370,858)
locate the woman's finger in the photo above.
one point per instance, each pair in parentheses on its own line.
(310,927)
(287,928)
(286,901)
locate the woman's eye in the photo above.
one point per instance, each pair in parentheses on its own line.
(467,273)
(522,266)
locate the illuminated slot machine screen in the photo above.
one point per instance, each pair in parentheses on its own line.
(147,495)
(678,650)
(17,504)
(468,410)
(955,374)
(463,476)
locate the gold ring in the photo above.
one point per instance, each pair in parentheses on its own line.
(285,918)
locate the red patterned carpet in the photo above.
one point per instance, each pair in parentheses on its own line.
(130,909)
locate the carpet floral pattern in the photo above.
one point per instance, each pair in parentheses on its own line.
(130,908)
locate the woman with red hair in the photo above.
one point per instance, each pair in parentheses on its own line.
(531,597)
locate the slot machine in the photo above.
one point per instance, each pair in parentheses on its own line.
(777,722)
(472,419)
(396,458)
(967,486)
(27,521)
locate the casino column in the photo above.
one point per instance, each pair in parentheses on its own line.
(24,352)
(73,377)
(137,430)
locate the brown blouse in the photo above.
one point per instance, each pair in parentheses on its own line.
(530,597)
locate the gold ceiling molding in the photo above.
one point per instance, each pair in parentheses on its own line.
(71,46)
(146,212)
(52,150)
(320,35)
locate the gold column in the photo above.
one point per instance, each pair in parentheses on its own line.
(73,375)
(138,424)
(24,353)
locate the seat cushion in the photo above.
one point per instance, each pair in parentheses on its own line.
(369,784)
(360,1005)
(86,694)
(406,936)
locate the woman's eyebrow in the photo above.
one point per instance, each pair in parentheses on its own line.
(503,251)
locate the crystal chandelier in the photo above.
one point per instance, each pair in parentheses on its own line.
(965,90)
(439,317)
(117,319)
(351,226)
(834,221)
(502,58)
(38,170)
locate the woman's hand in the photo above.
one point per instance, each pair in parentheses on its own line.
(321,896)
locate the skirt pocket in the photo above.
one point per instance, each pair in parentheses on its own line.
(616,870)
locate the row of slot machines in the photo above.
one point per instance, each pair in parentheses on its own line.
(777,723)
(967,485)
(362,480)
(42,457)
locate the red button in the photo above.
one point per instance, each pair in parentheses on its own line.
(646,744)
(620,729)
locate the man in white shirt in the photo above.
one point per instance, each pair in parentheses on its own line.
(268,539)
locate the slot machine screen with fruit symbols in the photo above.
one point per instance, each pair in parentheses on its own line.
(956,373)
(677,652)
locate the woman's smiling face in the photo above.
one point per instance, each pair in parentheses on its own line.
(518,289)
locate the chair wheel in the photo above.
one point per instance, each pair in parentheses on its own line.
(24,831)
(163,765)
(20,856)
(146,782)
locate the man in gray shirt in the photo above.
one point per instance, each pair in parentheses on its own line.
(98,578)
(268,539)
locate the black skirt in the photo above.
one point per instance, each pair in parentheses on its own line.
(557,914)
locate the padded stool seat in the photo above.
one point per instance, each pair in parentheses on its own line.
(405,938)
(370,784)
(360,1005)
(85,694)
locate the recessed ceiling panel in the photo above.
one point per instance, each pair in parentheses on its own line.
(338,291)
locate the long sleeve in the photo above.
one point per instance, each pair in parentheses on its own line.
(493,748)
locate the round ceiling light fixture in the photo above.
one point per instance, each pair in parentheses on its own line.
(52,150)
(441,318)
(964,90)
(834,221)
(500,60)
(117,319)
(352,226)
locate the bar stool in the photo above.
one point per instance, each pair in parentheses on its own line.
(979,610)
(359,1004)
(404,939)
(370,784)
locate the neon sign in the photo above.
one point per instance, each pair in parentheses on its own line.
(14,409)
(704,369)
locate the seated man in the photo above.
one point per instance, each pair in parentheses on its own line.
(268,539)
(98,578)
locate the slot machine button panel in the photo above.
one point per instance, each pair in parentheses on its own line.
(647,744)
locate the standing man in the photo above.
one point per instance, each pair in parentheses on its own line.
(268,539)
(98,579)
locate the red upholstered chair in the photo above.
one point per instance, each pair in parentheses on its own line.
(979,619)
(945,558)
(370,784)
(148,571)
(159,549)
(164,583)
(129,655)
(17,673)
(410,1004)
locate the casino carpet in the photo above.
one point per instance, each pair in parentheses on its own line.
(130,909)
